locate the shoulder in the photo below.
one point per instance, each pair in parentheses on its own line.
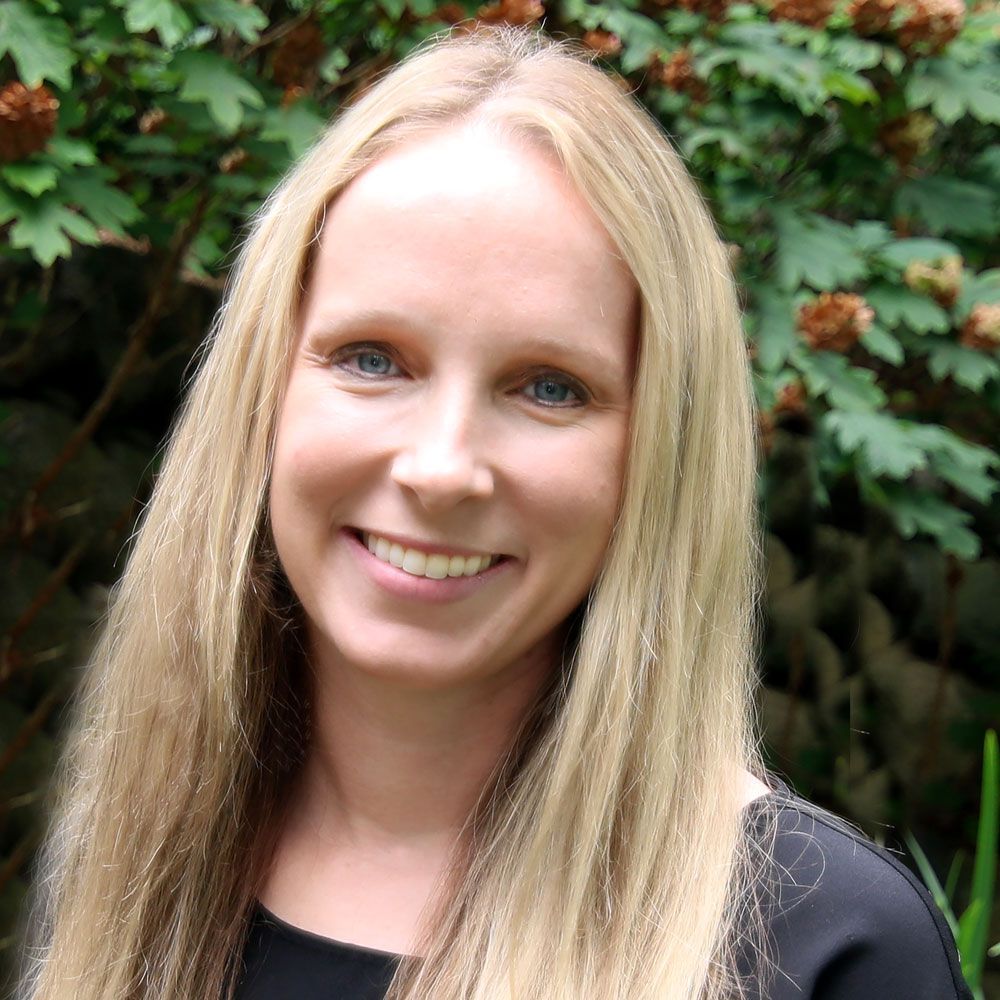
(845,918)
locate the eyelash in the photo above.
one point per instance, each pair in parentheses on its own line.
(354,351)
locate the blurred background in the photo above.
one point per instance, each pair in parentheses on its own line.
(850,153)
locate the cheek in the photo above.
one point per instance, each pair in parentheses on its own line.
(316,459)
(573,491)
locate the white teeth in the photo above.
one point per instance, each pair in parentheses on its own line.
(436,566)
(414,562)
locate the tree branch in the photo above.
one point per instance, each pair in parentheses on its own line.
(138,336)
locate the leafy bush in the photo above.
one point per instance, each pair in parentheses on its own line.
(850,155)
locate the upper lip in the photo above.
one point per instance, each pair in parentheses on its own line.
(427,547)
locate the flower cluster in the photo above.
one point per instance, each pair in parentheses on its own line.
(834,321)
(27,120)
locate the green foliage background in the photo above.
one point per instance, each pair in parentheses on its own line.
(832,163)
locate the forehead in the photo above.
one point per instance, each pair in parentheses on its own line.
(467,215)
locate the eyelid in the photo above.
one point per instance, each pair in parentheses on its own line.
(582,393)
(348,351)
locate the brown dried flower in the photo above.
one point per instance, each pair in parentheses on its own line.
(678,74)
(512,12)
(982,328)
(792,400)
(230,162)
(871,17)
(27,119)
(942,280)
(296,56)
(834,321)
(765,430)
(152,121)
(813,13)
(714,10)
(930,25)
(604,43)
(449,13)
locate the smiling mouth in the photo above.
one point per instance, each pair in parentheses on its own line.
(433,565)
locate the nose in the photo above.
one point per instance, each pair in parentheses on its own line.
(441,459)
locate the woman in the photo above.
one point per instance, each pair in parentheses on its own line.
(433,660)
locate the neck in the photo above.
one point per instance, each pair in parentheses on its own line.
(391,765)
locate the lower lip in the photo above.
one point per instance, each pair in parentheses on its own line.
(399,583)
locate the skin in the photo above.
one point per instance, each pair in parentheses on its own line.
(462,377)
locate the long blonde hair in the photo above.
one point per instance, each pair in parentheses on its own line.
(609,857)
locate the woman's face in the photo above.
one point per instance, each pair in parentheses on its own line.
(458,403)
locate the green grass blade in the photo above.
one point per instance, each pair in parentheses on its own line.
(974,923)
(951,882)
(930,878)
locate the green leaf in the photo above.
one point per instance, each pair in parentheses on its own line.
(899,253)
(979,485)
(774,329)
(882,344)
(884,442)
(10,206)
(871,236)
(203,254)
(853,53)
(979,288)
(103,204)
(895,304)
(168,19)
(297,126)
(816,251)
(729,140)
(45,227)
(988,161)
(957,461)
(230,16)
(333,64)
(966,366)
(845,386)
(951,205)
(641,37)
(39,44)
(66,152)
(851,87)
(35,178)
(213,81)
(954,90)
(761,54)
(916,510)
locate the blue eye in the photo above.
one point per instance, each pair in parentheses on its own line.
(373,363)
(367,361)
(550,391)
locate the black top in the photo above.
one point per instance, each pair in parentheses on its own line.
(847,922)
